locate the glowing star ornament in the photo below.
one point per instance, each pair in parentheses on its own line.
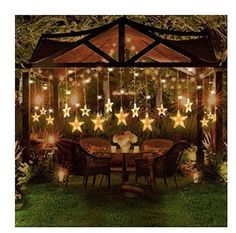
(162,110)
(179,120)
(147,122)
(85,110)
(35,116)
(108,105)
(98,122)
(121,117)
(66,110)
(50,120)
(204,122)
(76,125)
(135,110)
(188,106)
(43,111)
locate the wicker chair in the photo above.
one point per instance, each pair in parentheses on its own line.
(156,143)
(72,156)
(98,163)
(163,166)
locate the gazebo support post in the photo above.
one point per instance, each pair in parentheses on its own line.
(219,117)
(25,112)
(200,113)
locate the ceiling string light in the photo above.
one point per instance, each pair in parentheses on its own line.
(178,119)
(98,121)
(121,116)
(67,109)
(147,122)
(76,124)
(135,109)
(109,104)
(49,119)
(188,105)
(85,110)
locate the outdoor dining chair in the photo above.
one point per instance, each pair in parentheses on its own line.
(161,166)
(77,161)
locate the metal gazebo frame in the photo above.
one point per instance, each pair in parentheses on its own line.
(53,53)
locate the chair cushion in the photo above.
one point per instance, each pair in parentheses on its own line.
(93,149)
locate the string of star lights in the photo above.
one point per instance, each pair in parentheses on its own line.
(98,121)
(67,109)
(109,104)
(135,109)
(204,120)
(42,110)
(76,124)
(85,110)
(178,119)
(37,102)
(188,105)
(49,119)
(212,99)
(121,116)
(161,109)
(147,122)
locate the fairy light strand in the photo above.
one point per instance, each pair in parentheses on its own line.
(146,87)
(97,94)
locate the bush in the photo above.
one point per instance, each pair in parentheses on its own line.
(22,172)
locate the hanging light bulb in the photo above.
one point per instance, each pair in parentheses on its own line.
(38,100)
(74,100)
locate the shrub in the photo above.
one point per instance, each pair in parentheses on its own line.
(22,171)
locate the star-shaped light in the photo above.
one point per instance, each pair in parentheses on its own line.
(147,123)
(66,110)
(179,120)
(76,125)
(85,110)
(35,116)
(135,110)
(188,106)
(162,110)
(43,111)
(108,105)
(50,120)
(204,122)
(98,121)
(121,117)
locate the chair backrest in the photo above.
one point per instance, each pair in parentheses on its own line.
(95,144)
(157,143)
(168,163)
(69,156)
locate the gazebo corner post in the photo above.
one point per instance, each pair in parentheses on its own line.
(26,113)
(200,114)
(219,143)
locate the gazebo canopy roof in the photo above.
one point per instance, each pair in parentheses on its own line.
(124,43)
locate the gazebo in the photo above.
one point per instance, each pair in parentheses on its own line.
(92,48)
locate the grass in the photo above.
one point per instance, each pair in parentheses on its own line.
(51,204)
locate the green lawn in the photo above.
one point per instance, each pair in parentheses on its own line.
(51,204)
